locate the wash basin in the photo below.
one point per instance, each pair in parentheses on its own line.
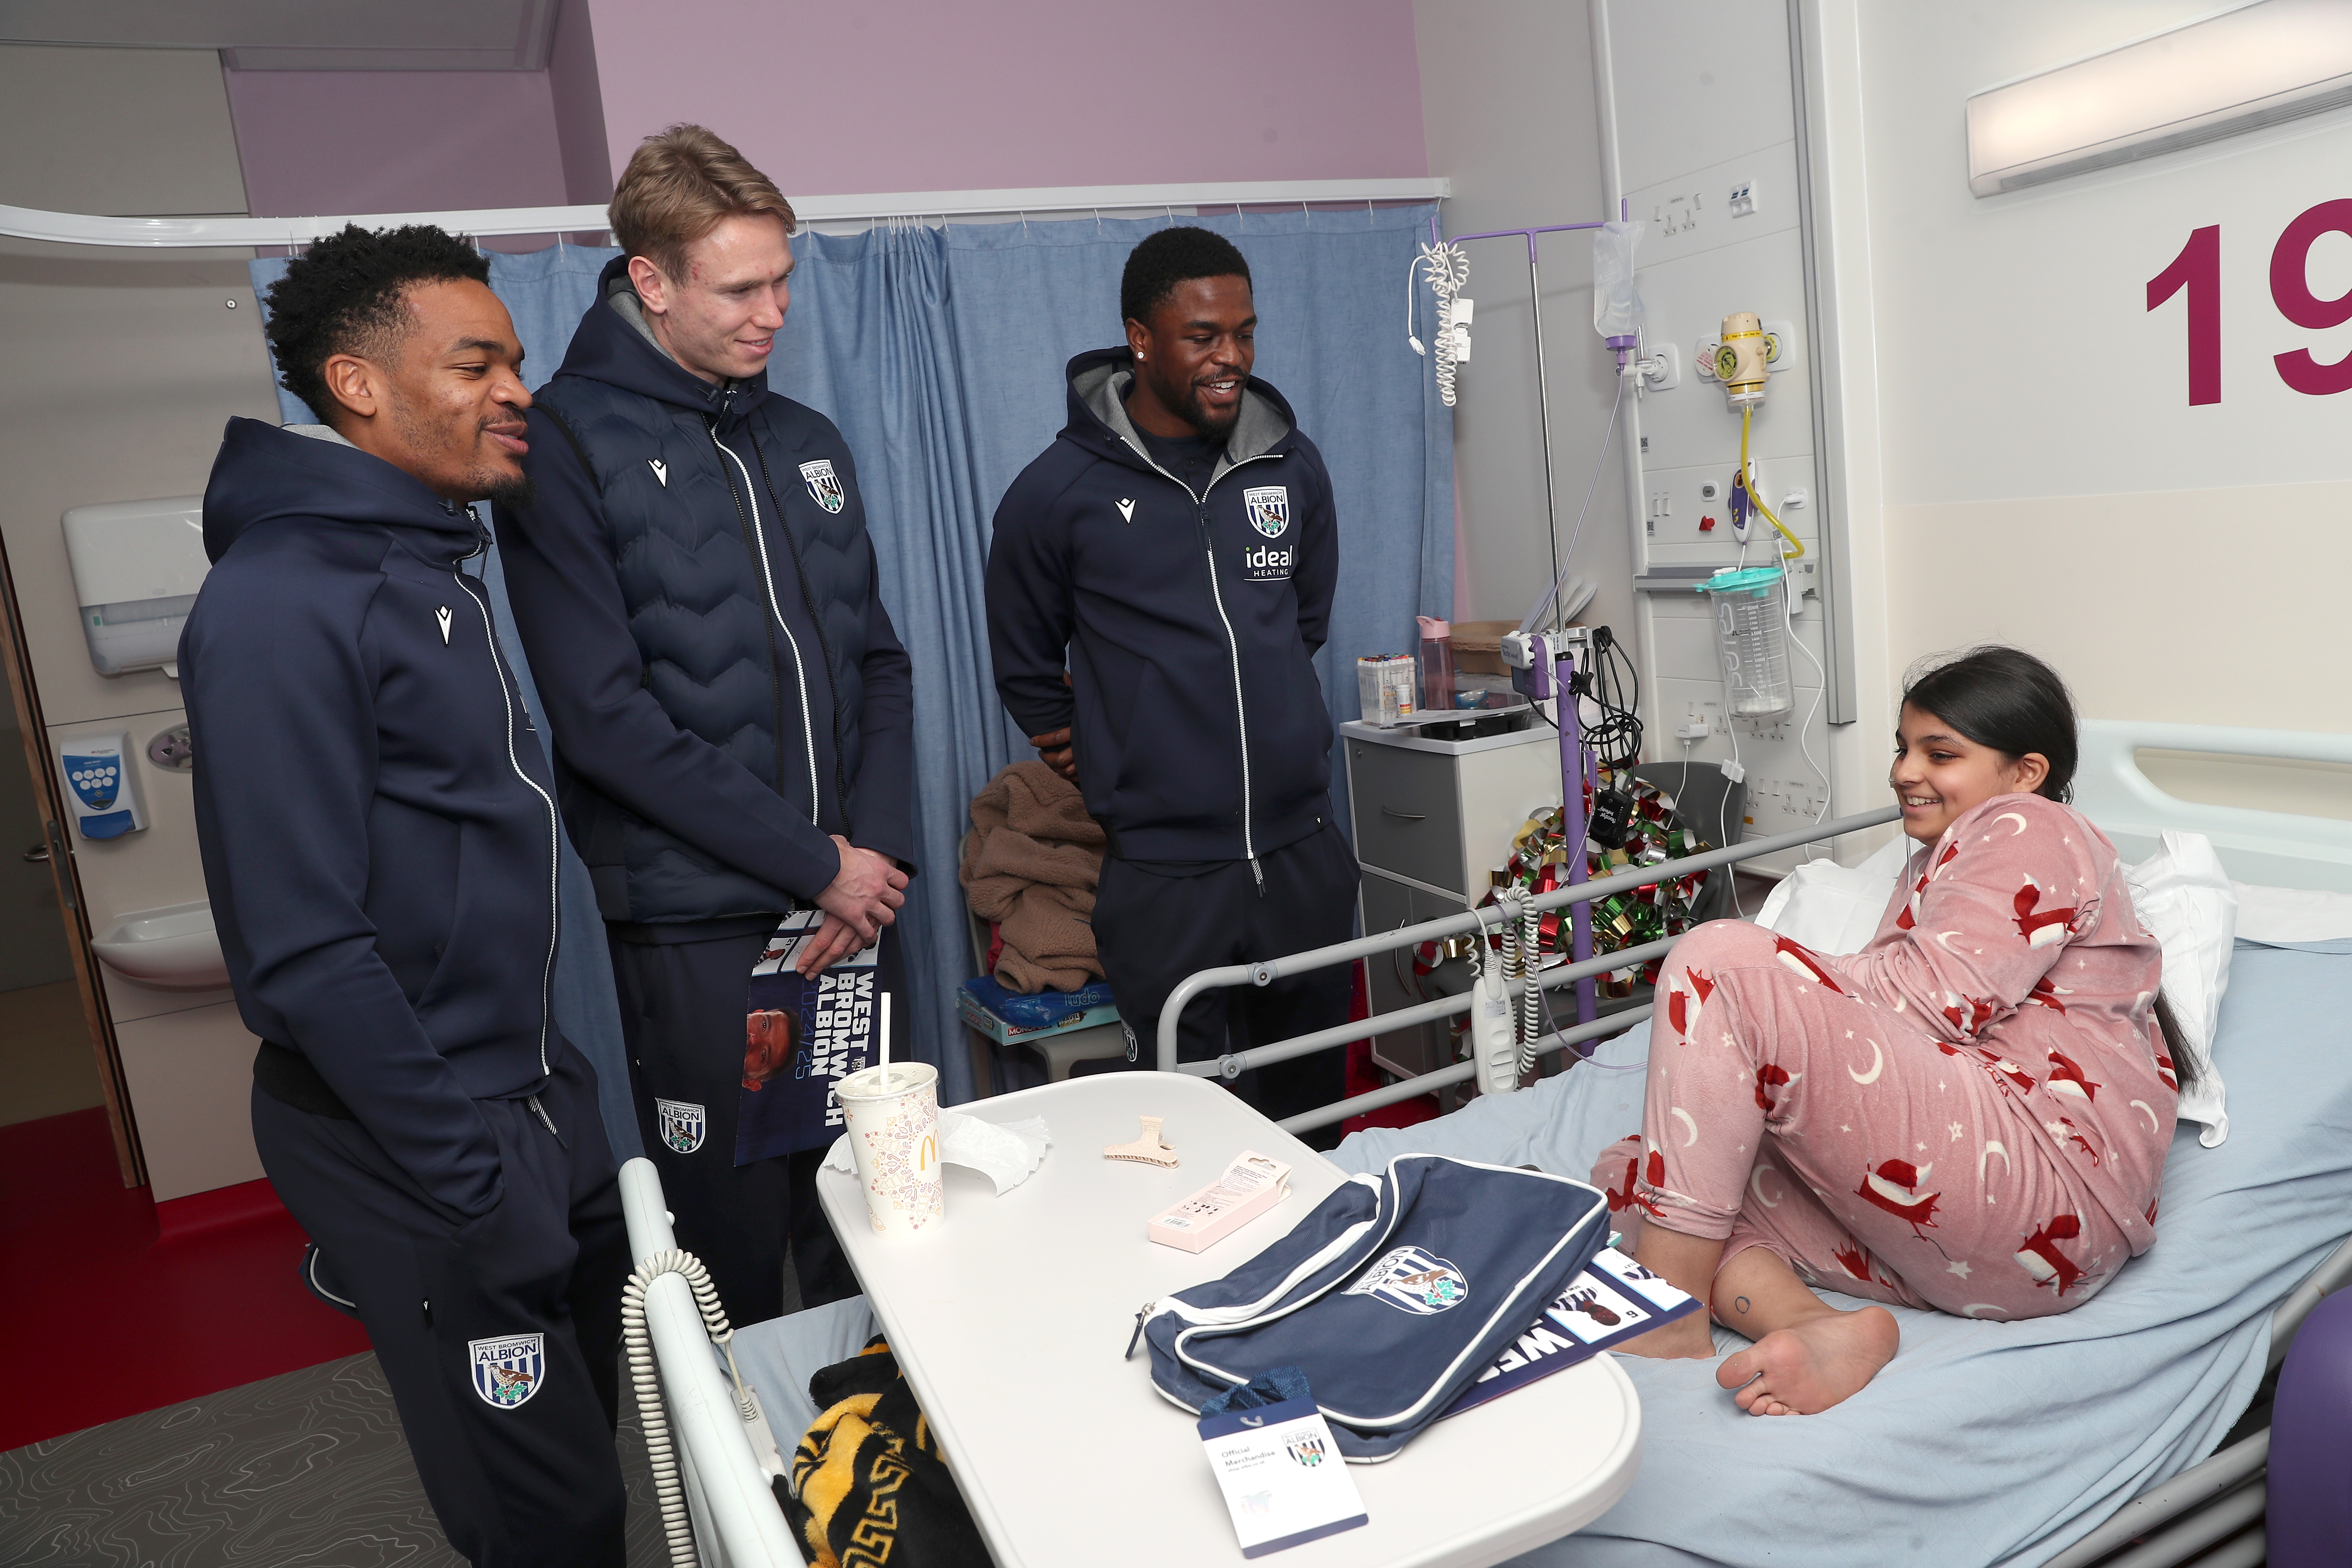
(171,949)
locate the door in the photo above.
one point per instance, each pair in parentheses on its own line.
(56,1050)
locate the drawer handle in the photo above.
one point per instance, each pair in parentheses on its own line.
(1404,815)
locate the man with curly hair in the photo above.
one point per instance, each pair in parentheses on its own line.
(378,825)
(1177,549)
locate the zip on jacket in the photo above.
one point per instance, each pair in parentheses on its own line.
(768,582)
(500,671)
(1233,647)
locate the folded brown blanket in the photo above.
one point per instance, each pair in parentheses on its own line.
(1030,866)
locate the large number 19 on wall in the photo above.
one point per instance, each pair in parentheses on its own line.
(2198,269)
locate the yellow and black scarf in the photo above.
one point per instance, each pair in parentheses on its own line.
(868,1487)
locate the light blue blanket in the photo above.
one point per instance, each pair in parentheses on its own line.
(1983,1442)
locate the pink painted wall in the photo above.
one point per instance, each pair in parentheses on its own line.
(920,95)
(319,142)
(886,95)
(577,95)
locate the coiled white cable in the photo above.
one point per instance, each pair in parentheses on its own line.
(1448,267)
(661,1455)
(1531,998)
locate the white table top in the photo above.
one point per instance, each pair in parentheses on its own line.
(1008,1321)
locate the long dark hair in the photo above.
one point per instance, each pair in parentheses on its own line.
(2006,699)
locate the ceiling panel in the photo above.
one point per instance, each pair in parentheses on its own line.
(304,35)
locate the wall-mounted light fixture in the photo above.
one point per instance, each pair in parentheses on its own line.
(2254,66)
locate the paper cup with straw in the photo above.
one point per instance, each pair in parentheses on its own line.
(893,1114)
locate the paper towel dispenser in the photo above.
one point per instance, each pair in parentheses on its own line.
(137,565)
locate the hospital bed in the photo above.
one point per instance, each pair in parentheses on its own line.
(2150,1384)
(1946,1458)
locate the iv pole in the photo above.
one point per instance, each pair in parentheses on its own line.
(1576,765)
(1543,387)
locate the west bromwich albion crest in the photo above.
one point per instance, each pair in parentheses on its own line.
(1305,1450)
(1414,1281)
(1269,508)
(508,1372)
(682,1124)
(823,484)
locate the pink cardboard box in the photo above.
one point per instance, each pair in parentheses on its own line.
(1251,1185)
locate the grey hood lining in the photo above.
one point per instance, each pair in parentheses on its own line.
(1103,389)
(623,296)
(320,433)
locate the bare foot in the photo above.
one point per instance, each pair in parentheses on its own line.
(1805,1368)
(1686,1338)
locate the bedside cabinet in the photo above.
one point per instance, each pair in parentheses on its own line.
(1431,818)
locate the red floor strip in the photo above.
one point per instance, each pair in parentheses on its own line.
(116,1304)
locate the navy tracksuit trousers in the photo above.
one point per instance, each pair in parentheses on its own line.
(1154,925)
(521,1473)
(682,1021)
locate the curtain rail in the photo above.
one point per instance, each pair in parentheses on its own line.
(81,229)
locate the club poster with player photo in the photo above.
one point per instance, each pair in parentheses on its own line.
(801,1037)
(1609,1303)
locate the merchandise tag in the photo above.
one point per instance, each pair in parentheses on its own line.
(1252,1185)
(1283,1481)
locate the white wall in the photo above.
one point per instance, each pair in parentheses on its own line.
(1507,104)
(2024,463)
(118,369)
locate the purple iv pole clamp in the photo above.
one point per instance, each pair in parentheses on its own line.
(1550,672)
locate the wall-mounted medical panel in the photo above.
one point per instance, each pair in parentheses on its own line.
(1706,126)
(1743,198)
(137,565)
(1684,302)
(1696,81)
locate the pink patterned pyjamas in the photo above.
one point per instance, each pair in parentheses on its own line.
(1970,1114)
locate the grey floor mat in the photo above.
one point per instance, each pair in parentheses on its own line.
(303,1470)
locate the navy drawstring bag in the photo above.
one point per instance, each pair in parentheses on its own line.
(1391,1297)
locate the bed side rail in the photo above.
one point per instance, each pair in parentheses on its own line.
(2190,1497)
(1266,970)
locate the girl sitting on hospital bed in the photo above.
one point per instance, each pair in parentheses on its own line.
(1970,1114)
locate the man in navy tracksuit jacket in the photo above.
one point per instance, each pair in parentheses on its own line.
(378,826)
(1176,548)
(732,711)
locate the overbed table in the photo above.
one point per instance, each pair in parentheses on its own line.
(1008,1321)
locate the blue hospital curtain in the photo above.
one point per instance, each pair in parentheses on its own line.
(940,352)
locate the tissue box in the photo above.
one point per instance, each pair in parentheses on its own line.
(979,1001)
(1252,1185)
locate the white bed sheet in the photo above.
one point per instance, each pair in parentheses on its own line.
(1984,1442)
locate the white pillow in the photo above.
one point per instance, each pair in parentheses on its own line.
(2186,901)
(2181,894)
(2291,914)
(1835,908)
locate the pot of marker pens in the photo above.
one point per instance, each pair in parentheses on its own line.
(892,1110)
